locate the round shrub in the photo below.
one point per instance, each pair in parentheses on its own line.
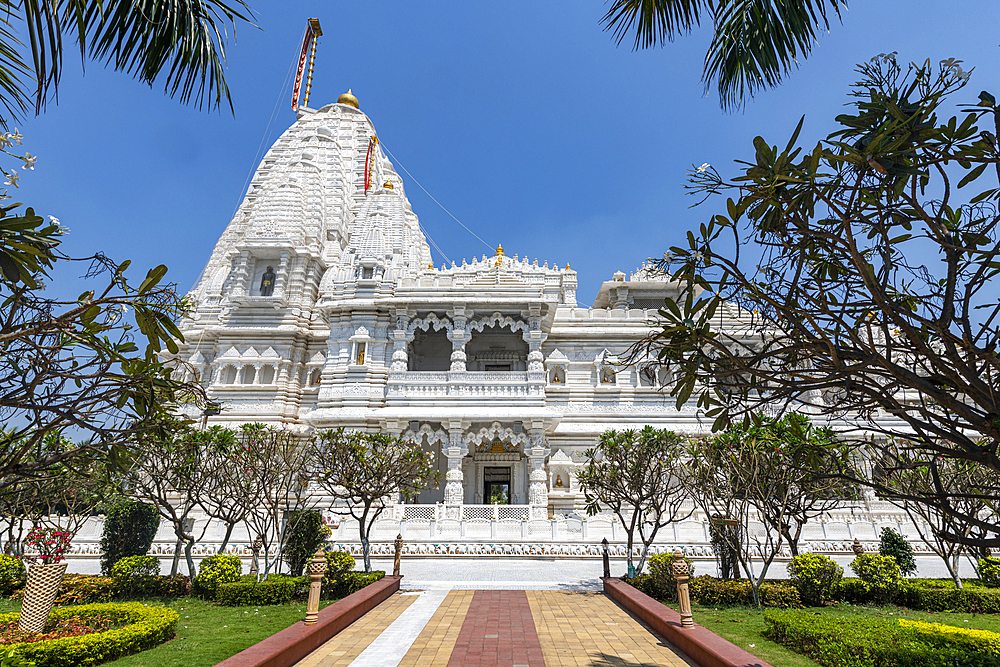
(989,572)
(895,545)
(215,570)
(141,627)
(661,575)
(129,529)
(12,574)
(878,574)
(307,532)
(135,574)
(338,564)
(814,575)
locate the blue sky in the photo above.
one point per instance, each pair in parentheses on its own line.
(522,118)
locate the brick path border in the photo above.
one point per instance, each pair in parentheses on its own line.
(288,646)
(700,644)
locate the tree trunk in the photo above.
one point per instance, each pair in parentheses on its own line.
(189,544)
(225,540)
(952,565)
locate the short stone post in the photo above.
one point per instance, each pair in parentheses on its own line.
(607,562)
(857,547)
(682,574)
(398,556)
(317,568)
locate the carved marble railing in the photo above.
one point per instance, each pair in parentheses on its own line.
(472,384)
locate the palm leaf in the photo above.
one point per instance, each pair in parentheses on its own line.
(653,21)
(182,41)
(757,42)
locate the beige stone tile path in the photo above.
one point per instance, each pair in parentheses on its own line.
(434,644)
(587,629)
(355,638)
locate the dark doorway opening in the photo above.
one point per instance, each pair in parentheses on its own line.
(496,486)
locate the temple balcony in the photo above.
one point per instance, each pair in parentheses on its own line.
(430,387)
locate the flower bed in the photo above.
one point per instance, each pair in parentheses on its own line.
(56,628)
(140,627)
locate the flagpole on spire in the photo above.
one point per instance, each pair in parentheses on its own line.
(313,31)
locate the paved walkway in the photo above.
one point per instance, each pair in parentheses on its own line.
(497,628)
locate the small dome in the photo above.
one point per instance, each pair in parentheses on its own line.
(349,99)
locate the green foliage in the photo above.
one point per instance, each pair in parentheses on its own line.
(242,594)
(338,564)
(717,592)
(85,589)
(129,529)
(351,582)
(969,599)
(135,574)
(879,575)
(307,532)
(216,570)
(12,574)
(895,545)
(661,574)
(860,641)
(814,576)
(11,657)
(989,571)
(142,627)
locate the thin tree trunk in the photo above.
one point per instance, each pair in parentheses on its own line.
(225,540)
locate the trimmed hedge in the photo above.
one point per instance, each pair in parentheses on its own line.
(351,582)
(87,589)
(135,574)
(859,641)
(129,530)
(971,600)
(242,594)
(719,592)
(144,628)
(216,570)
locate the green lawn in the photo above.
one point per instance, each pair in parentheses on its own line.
(208,634)
(743,625)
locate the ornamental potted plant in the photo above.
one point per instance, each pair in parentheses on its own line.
(44,576)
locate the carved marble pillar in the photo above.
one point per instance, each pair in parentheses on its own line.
(534,337)
(454,488)
(241,277)
(538,493)
(458,337)
(400,358)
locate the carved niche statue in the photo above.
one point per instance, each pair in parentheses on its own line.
(559,482)
(267,282)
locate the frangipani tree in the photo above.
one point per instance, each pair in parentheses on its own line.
(632,473)
(366,470)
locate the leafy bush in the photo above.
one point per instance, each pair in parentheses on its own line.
(129,529)
(661,573)
(142,627)
(85,589)
(135,574)
(307,532)
(10,657)
(971,599)
(861,641)
(215,570)
(12,574)
(989,571)
(338,564)
(352,582)
(879,574)
(895,545)
(723,592)
(814,576)
(242,594)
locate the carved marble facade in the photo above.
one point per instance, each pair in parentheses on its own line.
(489,363)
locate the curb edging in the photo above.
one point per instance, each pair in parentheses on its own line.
(286,647)
(700,644)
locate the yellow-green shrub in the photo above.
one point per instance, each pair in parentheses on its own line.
(879,574)
(989,571)
(814,575)
(12,574)
(145,627)
(215,570)
(968,639)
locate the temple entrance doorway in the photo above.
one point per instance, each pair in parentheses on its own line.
(496,485)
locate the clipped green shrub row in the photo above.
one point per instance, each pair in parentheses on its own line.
(142,627)
(714,592)
(971,599)
(351,582)
(243,593)
(87,589)
(877,642)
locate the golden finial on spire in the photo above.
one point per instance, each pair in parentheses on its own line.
(388,185)
(349,99)
(499,255)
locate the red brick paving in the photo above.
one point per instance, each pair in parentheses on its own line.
(498,631)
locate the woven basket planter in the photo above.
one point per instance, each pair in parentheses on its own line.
(39,594)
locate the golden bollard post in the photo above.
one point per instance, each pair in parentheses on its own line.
(317,568)
(682,574)
(399,554)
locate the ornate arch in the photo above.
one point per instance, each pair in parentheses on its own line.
(431,321)
(496,319)
(425,431)
(493,433)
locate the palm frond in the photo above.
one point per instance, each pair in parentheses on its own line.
(757,42)
(183,41)
(653,21)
